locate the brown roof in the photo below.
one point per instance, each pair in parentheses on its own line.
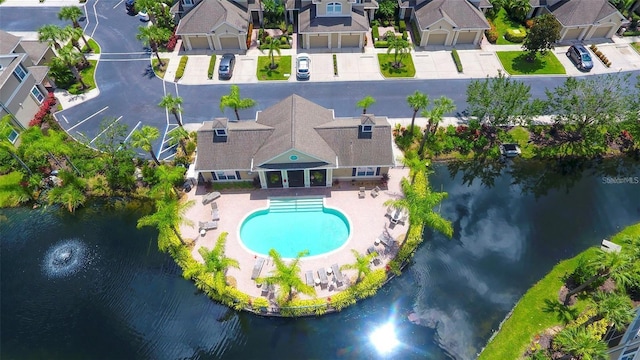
(586,12)
(309,23)
(295,124)
(8,42)
(209,14)
(461,13)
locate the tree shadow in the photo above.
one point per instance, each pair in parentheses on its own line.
(563,313)
(523,65)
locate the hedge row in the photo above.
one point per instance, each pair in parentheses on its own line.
(456,59)
(375,33)
(212,66)
(515,37)
(181,66)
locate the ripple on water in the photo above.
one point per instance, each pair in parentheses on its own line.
(65,258)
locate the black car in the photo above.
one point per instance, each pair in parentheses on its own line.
(225,70)
(130,6)
(580,56)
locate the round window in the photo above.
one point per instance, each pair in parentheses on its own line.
(293,157)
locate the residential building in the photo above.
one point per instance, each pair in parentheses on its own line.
(581,19)
(23,78)
(628,343)
(295,143)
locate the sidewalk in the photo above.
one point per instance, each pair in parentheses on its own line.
(46,3)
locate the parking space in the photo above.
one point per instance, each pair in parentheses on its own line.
(197,70)
(479,64)
(321,67)
(622,57)
(435,65)
(354,67)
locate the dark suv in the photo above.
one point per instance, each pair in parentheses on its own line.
(580,56)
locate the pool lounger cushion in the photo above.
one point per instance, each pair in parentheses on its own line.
(257,268)
(309,277)
(322,274)
(209,225)
(210,197)
(337,274)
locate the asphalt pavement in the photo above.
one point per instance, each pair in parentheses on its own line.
(129,91)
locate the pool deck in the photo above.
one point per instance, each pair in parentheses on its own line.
(367,216)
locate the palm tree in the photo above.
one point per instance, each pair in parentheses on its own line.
(579,343)
(72,13)
(615,308)
(274,47)
(617,265)
(365,102)
(420,207)
(166,177)
(415,163)
(177,136)
(215,260)
(50,34)
(169,214)
(361,265)
(286,277)
(400,47)
(144,139)
(172,104)
(417,101)
(71,194)
(233,100)
(71,58)
(74,34)
(441,106)
(153,36)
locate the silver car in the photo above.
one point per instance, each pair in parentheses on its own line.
(225,69)
(303,66)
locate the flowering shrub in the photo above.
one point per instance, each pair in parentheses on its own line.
(45,108)
(171,44)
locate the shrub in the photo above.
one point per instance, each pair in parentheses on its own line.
(212,66)
(492,33)
(415,33)
(381,44)
(375,22)
(181,66)
(402,26)
(515,37)
(528,23)
(456,59)
(335,65)
(171,44)
(249,34)
(405,35)
(45,108)
(375,34)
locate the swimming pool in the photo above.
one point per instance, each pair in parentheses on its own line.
(292,225)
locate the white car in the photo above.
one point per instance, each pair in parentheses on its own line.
(303,66)
(143,15)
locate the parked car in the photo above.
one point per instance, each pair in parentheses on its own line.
(143,15)
(580,56)
(303,66)
(130,6)
(510,150)
(225,69)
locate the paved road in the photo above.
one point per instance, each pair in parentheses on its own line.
(129,91)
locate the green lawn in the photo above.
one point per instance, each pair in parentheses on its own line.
(281,72)
(406,70)
(11,192)
(636,46)
(521,136)
(95,48)
(159,70)
(87,75)
(503,23)
(528,317)
(515,63)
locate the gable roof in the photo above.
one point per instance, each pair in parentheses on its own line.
(308,22)
(295,124)
(8,42)
(35,49)
(585,12)
(460,13)
(210,14)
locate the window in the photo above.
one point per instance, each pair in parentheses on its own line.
(221,132)
(629,354)
(367,128)
(20,73)
(365,171)
(226,175)
(13,136)
(293,157)
(334,8)
(37,94)
(188,2)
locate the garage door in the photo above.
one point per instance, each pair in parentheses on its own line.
(601,32)
(572,34)
(436,39)
(350,41)
(466,37)
(200,42)
(319,41)
(229,43)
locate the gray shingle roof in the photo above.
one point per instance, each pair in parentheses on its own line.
(581,12)
(461,13)
(35,50)
(8,42)
(39,72)
(295,124)
(309,23)
(209,14)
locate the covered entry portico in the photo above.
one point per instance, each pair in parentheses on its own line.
(298,178)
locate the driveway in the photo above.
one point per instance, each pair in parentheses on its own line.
(435,65)
(479,64)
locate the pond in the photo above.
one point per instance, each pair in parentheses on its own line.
(123,299)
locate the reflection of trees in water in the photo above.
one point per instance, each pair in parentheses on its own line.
(538,177)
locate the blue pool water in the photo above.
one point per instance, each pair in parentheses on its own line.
(294,225)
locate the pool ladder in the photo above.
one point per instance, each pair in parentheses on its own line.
(298,204)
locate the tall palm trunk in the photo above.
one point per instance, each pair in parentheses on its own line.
(18,159)
(584,285)
(423,141)
(175,113)
(153,156)
(76,74)
(413,121)
(237,113)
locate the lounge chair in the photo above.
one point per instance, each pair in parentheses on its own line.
(361,194)
(322,274)
(267,290)
(309,277)
(208,225)
(385,239)
(375,192)
(257,268)
(210,197)
(376,259)
(337,275)
(608,246)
